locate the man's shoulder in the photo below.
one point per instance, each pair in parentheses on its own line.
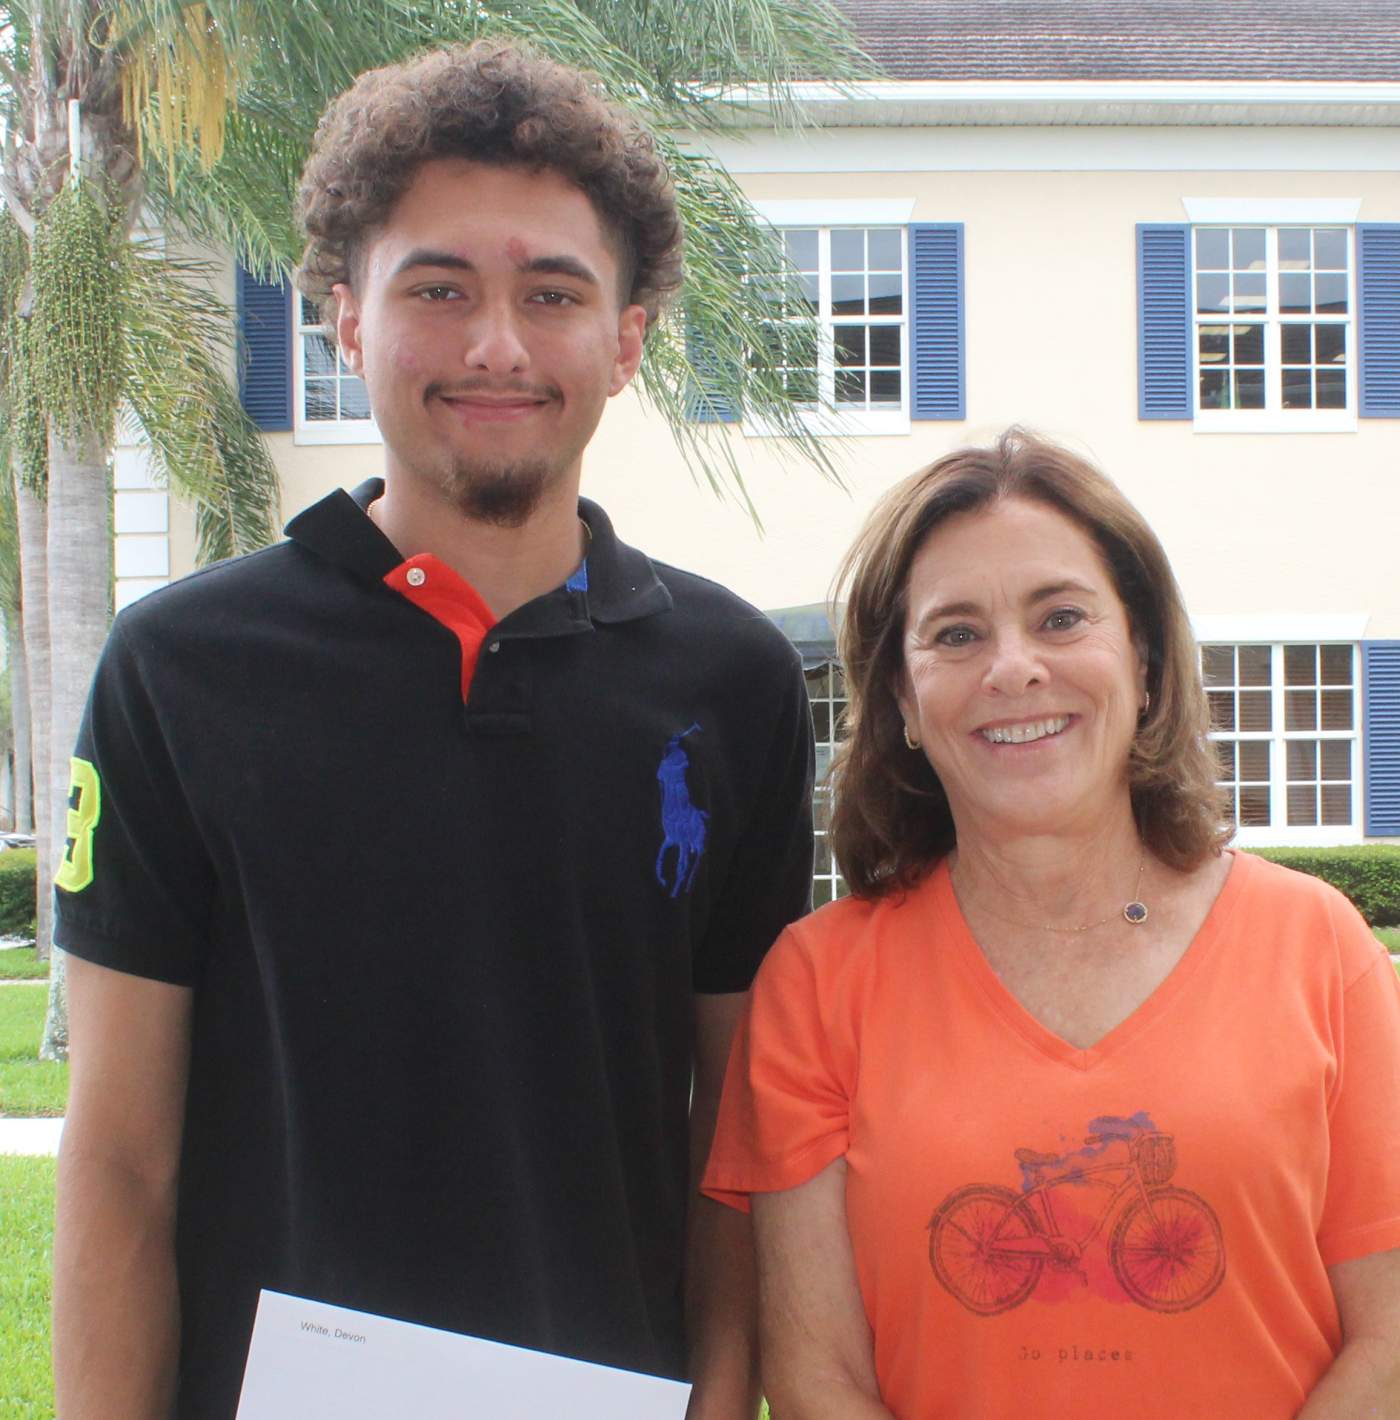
(705,608)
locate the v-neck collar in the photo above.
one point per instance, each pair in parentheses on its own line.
(1039,1036)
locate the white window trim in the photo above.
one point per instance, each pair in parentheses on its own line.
(1276,421)
(1284,835)
(320,431)
(1281,626)
(1272,211)
(828,421)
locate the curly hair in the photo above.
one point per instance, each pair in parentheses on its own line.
(891,821)
(489,102)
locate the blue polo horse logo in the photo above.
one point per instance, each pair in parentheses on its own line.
(682,824)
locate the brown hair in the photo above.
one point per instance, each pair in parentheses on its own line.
(890,820)
(489,102)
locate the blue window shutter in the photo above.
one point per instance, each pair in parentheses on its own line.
(1380,682)
(265,370)
(703,404)
(937,367)
(1378,291)
(1164,320)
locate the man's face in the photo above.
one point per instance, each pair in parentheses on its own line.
(488,326)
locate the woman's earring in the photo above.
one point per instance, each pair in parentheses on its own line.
(909,739)
(1146,702)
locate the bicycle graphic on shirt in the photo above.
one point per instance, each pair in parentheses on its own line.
(989,1244)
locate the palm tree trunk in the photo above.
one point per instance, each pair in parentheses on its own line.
(21,720)
(80,587)
(31,515)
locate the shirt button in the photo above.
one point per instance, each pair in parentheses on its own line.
(416,576)
(494,646)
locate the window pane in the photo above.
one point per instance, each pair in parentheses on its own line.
(801,247)
(1302,759)
(822,854)
(1249,292)
(1256,710)
(1212,249)
(886,250)
(1249,344)
(811,292)
(1336,804)
(1296,344)
(1336,665)
(1300,712)
(1254,806)
(848,250)
(1249,249)
(1212,294)
(1336,759)
(821,891)
(1331,389)
(1249,389)
(1222,709)
(309,314)
(1336,709)
(1302,804)
(320,357)
(850,344)
(1218,665)
(1225,755)
(354,399)
(320,399)
(885,387)
(884,345)
(1297,389)
(1294,248)
(1330,249)
(801,385)
(1215,389)
(848,295)
(821,720)
(1331,342)
(1254,761)
(1213,342)
(886,296)
(1300,665)
(1331,293)
(850,387)
(1295,293)
(1256,665)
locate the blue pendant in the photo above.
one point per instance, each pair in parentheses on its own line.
(1136,912)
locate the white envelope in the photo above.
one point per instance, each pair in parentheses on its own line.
(311,1361)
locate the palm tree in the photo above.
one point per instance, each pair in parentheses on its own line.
(196,118)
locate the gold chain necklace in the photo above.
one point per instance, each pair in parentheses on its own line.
(1134,912)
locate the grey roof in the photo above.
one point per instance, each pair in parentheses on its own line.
(1344,41)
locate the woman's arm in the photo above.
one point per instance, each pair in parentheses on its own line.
(1364,1380)
(814,1340)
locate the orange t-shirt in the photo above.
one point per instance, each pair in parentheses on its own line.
(1138,1229)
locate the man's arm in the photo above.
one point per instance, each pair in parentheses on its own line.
(720,1290)
(1364,1380)
(116,1303)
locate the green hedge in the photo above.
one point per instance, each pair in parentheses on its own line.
(1369,876)
(17,892)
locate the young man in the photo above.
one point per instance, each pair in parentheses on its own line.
(419,863)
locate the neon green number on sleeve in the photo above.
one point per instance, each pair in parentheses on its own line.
(75,872)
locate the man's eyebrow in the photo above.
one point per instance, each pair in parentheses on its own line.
(560,265)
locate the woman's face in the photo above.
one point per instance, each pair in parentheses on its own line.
(1022,682)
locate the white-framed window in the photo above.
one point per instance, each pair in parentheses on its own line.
(854,282)
(1274,327)
(826,690)
(331,404)
(1285,722)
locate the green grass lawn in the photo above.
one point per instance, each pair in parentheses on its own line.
(29,1086)
(26,1247)
(1389,936)
(20,964)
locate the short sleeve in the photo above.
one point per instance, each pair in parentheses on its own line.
(1361,1213)
(134,893)
(786,1107)
(770,882)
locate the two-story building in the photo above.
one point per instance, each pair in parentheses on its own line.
(1166,233)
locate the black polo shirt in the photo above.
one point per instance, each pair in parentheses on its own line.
(442,930)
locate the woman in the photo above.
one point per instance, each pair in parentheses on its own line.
(1068,1111)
